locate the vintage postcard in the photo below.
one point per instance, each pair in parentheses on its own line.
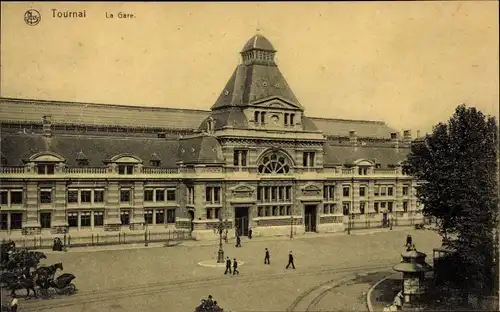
(249,156)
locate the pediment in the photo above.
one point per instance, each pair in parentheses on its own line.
(276,102)
(126,159)
(363,163)
(242,190)
(311,190)
(46,157)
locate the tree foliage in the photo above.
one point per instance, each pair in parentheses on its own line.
(457,167)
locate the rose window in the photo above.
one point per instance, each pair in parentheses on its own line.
(274,163)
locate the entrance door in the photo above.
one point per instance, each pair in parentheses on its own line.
(191,219)
(310,218)
(384,220)
(241,220)
(45,220)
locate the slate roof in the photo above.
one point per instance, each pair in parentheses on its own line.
(200,150)
(96,148)
(363,128)
(250,83)
(25,110)
(335,155)
(258,42)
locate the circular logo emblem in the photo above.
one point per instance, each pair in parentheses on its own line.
(32,17)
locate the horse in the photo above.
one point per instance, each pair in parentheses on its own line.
(21,282)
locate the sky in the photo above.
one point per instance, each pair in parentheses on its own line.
(406,63)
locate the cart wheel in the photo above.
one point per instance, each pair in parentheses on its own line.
(59,291)
(72,288)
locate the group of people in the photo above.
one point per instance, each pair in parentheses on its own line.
(208,305)
(57,245)
(232,267)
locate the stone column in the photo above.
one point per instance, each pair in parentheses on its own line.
(112,207)
(32,224)
(137,217)
(59,221)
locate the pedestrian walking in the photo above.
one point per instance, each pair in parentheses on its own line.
(249,233)
(228,266)
(267,257)
(238,241)
(290,261)
(409,240)
(225,236)
(13,303)
(235,267)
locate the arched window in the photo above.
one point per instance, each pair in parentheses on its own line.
(274,163)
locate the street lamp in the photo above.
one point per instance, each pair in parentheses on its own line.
(220,227)
(291,227)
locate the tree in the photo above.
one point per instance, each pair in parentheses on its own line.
(457,167)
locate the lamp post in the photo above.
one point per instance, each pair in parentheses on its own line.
(220,227)
(291,226)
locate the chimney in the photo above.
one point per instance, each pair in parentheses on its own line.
(47,126)
(407,137)
(353,138)
(418,134)
(395,139)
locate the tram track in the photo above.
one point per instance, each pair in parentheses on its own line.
(327,286)
(86,297)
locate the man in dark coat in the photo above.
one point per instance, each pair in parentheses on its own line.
(235,267)
(267,257)
(290,261)
(228,266)
(238,241)
(408,240)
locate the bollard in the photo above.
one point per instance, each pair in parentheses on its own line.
(146,238)
(97,238)
(119,238)
(124,241)
(92,239)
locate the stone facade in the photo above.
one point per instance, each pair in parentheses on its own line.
(256,160)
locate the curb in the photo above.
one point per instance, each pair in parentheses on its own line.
(369,294)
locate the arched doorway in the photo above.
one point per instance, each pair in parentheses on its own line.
(191,219)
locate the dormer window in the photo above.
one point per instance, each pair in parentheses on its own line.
(209,126)
(125,169)
(291,119)
(262,117)
(45,168)
(155,160)
(82,160)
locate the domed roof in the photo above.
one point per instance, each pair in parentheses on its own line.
(258,42)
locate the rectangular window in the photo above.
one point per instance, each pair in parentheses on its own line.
(216,213)
(274,194)
(171,195)
(362,206)
(405,190)
(288,193)
(262,117)
(405,206)
(266,194)
(244,158)
(125,196)
(125,169)
(362,191)
(288,211)
(383,191)
(345,191)
(45,169)
(85,196)
(72,196)
(268,211)
(4,197)
(362,171)
(291,119)
(85,218)
(148,195)
(390,191)
(190,195)
(261,212)
(389,206)
(326,209)
(346,207)
(286,119)
(376,191)
(148,216)
(4,221)
(98,196)
(73,219)
(332,208)
(375,207)
(275,211)
(16,197)
(210,214)
(170,215)
(256,117)
(308,159)
(236,158)
(259,193)
(208,194)
(160,195)
(45,197)
(212,195)
(45,220)
(16,221)
(98,218)
(125,217)
(160,216)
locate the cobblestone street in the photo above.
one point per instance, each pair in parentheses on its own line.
(170,278)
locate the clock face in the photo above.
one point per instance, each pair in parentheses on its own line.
(275,119)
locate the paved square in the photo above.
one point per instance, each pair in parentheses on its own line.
(160,279)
